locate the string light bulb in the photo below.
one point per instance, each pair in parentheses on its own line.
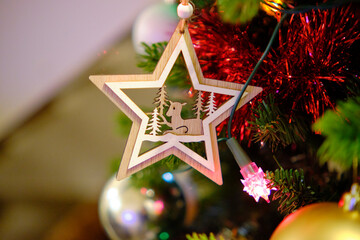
(255,183)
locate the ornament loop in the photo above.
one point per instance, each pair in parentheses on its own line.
(184,11)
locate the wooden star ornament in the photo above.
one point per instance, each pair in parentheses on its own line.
(165,124)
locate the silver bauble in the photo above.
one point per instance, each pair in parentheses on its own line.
(127,212)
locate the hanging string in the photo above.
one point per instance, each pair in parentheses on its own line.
(184,2)
(253,73)
(183,20)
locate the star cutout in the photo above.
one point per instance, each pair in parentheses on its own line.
(255,184)
(132,162)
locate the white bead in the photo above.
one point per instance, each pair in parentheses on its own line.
(185,11)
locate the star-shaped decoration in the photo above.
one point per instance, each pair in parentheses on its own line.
(132,160)
(255,183)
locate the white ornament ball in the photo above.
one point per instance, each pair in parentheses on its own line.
(185,11)
(155,24)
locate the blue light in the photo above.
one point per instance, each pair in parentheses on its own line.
(168,177)
(129,217)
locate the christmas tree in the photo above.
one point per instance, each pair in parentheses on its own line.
(302,130)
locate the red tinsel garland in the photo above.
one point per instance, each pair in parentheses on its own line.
(313,50)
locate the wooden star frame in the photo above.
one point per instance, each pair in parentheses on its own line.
(132,161)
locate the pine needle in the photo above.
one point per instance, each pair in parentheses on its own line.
(292,191)
(203,236)
(342,131)
(275,128)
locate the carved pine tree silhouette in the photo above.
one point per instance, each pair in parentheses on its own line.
(154,124)
(157,116)
(211,105)
(161,100)
(198,106)
(177,124)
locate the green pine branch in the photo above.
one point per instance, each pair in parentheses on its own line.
(152,55)
(200,4)
(123,124)
(203,236)
(342,131)
(151,175)
(178,75)
(238,11)
(292,191)
(275,128)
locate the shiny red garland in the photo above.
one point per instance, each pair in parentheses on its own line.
(312,50)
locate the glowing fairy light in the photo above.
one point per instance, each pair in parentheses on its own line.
(143,190)
(255,183)
(271,7)
(129,217)
(150,193)
(191,92)
(168,177)
(158,207)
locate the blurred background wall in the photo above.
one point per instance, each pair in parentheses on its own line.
(58,131)
(44,44)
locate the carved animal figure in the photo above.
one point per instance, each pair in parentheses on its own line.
(181,126)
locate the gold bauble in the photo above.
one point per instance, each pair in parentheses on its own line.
(319,221)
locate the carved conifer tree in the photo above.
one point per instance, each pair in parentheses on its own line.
(211,105)
(154,124)
(198,106)
(161,100)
